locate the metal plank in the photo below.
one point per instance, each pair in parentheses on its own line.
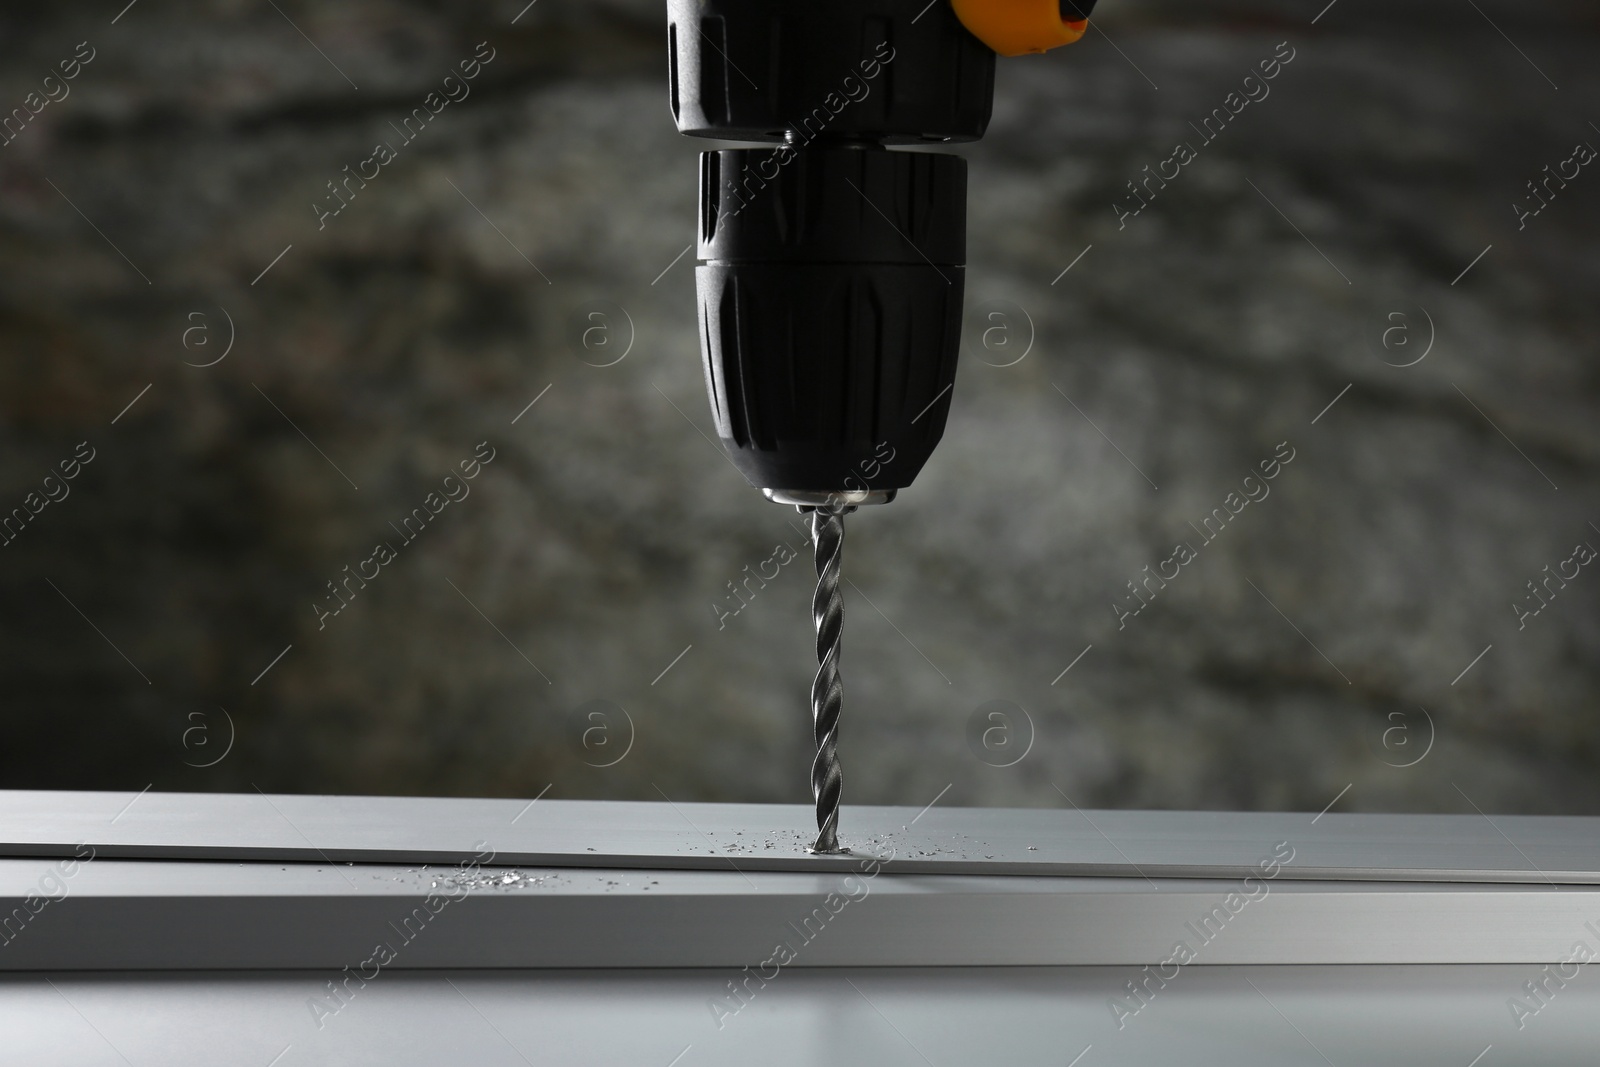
(142,915)
(758,838)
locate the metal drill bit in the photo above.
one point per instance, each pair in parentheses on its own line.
(827,691)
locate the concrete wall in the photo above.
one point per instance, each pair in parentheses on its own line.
(1310,645)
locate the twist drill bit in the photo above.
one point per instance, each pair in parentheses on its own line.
(827,691)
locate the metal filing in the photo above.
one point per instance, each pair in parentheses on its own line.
(830,268)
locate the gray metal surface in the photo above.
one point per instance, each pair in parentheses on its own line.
(1018,1017)
(910,958)
(128,914)
(754,838)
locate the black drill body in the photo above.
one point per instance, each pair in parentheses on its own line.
(830,268)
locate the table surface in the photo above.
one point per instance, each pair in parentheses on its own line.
(895,1017)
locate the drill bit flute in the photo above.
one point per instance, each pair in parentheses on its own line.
(827,690)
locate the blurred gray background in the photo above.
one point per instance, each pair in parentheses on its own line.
(1356,628)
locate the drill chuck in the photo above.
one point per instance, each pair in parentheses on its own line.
(830,311)
(830,269)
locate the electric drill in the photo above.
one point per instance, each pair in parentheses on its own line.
(829,268)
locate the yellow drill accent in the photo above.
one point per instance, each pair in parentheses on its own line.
(1018,27)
